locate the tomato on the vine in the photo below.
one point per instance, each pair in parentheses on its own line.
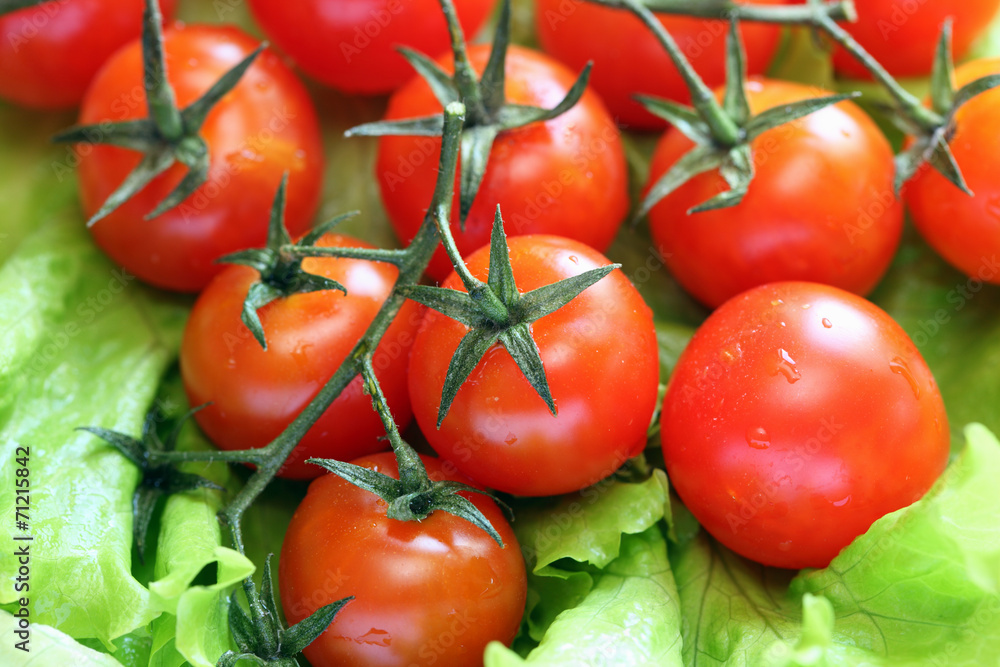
(256,393)
(264,127)
(902,34)
(433,592)
(965,230)
(50,53)
(600,358)
(628,59)
(351,46)
(565,176)
(820,207)
(797,416)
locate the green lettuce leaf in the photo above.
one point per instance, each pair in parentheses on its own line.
(84,345)
(47,646)
(600,587)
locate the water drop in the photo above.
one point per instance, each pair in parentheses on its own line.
(806,306)
(842,502)
(786,366)
(899,367)
(574,259)
(511,439)
(731,355)
(758,438)
(785,546)
(827,323)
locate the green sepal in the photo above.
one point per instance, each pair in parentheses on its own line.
(696,161)
(522,348)
(548,299)
(169,135)
(787,113)
(501,278)
(943,72)
(684,118)
(300,635)
(489,114)
(280,275)
(157,480)
(417,498)
(734,101)
(448,301)
(737,169)
(471,349)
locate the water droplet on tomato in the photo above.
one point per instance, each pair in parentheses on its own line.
(574,259)
(827,323)
(731,355)
(806,306)
(786,366)
(899,367)
(785,546)
(843,502)
(511,439)
(758,438)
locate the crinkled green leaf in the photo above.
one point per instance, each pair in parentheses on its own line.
(84,343)
(47,646)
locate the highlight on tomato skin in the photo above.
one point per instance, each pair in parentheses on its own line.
(351,46)
(433,592)
(264,127)
(628,59)
(965,230)
(797,416)
(566,176)
(821,206)
(256,393)
(50,53)
(600,357)
(902,35)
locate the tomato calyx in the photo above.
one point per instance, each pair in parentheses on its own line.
(721,132)
(495,311)
(169,135)
(158,479)
(488,113)
(260,635)
(281,273)
(930,127)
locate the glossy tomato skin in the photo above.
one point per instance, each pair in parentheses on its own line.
(264,127)
(600,358)
(820,208)
(428,593)
(566,176)
(256,393)
(351,46)
(965,230)
(902,35)
(797,416)
(628,59)
(50,53)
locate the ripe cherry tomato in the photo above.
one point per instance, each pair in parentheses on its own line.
(600,358)
(351,46)
(903,34)
(50,53)
(628,59)
(566,176)
(797,416)
(256,393)
(965,230)
(820,208)
(428,593)
(264,127)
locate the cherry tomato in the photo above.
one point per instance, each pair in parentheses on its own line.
(965,230)
(264,127)
(256,393)
(434,592)
(50,53)
(566,176)
(351,46)
(820,208)
(903,34)
(600,358)
(797,416)
(628,59)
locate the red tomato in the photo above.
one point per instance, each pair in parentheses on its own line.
(797,416)
(264,127)
(965,230)
(566,176)
(628,59)
(600,358)
(352,45)
(255,393)
(820,208)
(50,53)
(434,592)
(903,34)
